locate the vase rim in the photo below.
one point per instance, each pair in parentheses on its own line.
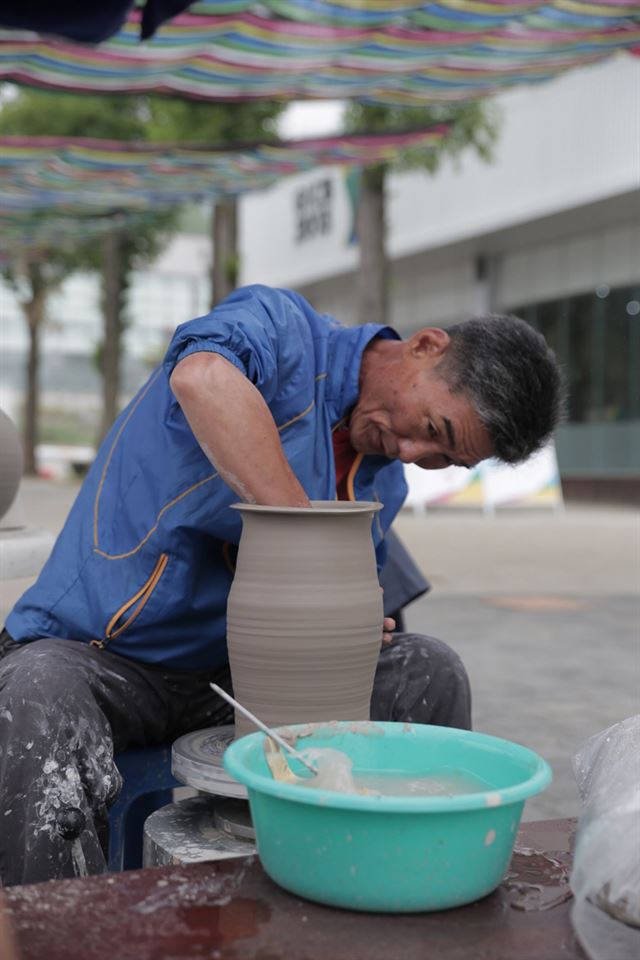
(323,507)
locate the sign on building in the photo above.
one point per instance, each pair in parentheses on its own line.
(313,210)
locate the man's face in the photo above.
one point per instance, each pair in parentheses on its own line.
(407,412)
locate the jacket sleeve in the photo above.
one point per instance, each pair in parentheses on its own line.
(245,329)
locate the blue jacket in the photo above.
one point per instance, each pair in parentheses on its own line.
(144,562)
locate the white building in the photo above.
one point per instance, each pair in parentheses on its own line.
(550,230)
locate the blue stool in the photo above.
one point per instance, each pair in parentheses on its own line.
(148,782)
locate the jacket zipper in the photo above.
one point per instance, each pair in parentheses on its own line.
(137,602)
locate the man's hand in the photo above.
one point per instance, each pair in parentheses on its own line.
(388,626)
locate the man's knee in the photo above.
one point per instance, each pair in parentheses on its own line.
(37,676)
(56,735)
(423,680)
(51,706)
(426,655)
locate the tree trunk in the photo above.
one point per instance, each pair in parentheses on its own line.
(372,280)
(34,313)
(113,280)
(226,257)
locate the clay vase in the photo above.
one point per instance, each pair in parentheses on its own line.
(10,462)
(304,615)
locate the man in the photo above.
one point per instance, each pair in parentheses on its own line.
(266,401)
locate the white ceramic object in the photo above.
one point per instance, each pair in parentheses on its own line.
(11,462)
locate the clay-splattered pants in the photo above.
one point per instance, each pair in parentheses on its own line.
(66,707)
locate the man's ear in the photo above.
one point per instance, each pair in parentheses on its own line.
(430,342)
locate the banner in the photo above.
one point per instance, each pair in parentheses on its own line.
(451,487)
(534,483)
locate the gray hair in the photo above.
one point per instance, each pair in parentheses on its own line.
(512,379)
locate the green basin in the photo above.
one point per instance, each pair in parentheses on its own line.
(395,854)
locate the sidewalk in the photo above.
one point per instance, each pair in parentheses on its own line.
(591,551)
(543,608)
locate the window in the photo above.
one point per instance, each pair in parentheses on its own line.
(596,337)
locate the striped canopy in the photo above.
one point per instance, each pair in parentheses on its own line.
(388,51)
(78,183)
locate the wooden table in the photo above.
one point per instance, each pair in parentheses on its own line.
(230,910)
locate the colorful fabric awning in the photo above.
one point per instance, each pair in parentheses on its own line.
(391,51)
(85,180)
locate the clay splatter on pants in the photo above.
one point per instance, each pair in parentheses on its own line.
(78,782)
(65,708)
(57,774)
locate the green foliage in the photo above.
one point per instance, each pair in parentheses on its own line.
(232,269)
(473,125)
(195,219)
(170,120)
(44,113)
(33,275)
(146,239)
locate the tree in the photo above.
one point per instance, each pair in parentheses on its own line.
(188,121)
(126,245)
(33,278)
(472,125)
(36,271)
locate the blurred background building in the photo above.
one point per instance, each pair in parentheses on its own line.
(550,230)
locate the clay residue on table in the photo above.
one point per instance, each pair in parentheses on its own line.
(538,881)
(213,890)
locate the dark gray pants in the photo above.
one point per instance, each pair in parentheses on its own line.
(66,707)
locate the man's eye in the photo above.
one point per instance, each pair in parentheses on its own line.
(431,430)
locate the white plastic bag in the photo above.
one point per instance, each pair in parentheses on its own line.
(606,867)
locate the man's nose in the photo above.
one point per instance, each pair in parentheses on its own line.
(410,451)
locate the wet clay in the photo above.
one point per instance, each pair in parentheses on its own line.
(304,616)
(537,880)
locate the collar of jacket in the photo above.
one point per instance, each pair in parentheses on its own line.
(344,356)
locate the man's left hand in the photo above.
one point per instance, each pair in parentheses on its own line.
(388,626)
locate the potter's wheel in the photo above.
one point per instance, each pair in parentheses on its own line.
(187,832)
(196,760)
(232,817)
